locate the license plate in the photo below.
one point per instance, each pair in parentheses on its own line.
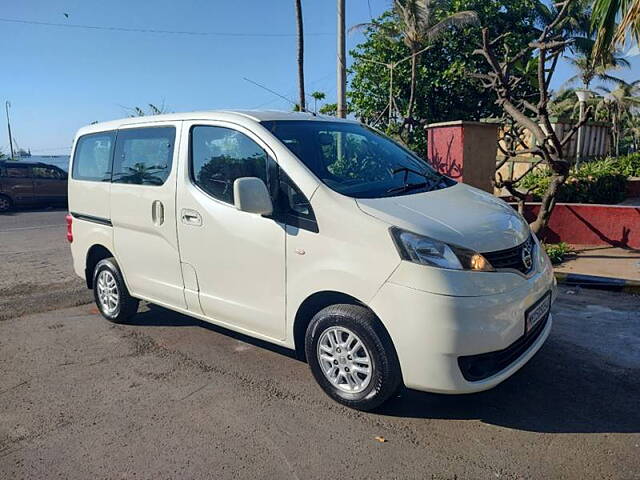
(537,312)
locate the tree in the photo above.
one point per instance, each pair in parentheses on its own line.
(618,105)
(444,89)
(151,110)
(317,96)
(329,109)
(300,35)
(604,20)
(578,29)
(532,116)
(418,23)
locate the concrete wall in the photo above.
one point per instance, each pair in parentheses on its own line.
(464,151)
(585,224)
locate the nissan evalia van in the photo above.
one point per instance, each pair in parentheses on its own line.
(316,234)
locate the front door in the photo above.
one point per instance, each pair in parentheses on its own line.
(238,257)
(143,212)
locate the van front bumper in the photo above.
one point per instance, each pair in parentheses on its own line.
(462,344)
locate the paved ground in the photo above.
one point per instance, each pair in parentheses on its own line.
(172,397)
(35,264)
(603,262)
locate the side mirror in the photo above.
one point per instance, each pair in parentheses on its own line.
(250,195)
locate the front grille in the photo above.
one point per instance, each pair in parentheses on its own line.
(484,365)
(513,257)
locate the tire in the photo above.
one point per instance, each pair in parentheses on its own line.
(5,203)
(327,341)
(111,294)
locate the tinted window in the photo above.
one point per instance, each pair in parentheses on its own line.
(49,172)
(221,155)
(143,155)
(18,171)
(355,160)
(92,158)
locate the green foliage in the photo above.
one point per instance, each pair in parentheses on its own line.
(445,89)
(329,109)
(602,181)
(557,251)
(629,165)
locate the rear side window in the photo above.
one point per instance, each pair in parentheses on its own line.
(18,171)
(92,158)
(221,155)
(143,155)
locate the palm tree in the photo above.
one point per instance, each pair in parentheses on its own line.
(317,96)
(590,69)
(301,101)
(618,106)
(417,25)
(606,13)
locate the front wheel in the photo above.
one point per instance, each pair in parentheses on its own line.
(111,294)
(351,358)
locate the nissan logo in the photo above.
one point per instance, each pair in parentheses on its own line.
(527,257)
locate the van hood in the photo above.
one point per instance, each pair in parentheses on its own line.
(459,215)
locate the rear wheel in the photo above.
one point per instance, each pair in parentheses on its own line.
(351,358)
(111,294)
(5,203)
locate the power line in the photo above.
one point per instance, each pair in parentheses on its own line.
(154,31)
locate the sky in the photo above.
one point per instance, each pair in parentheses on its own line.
(59,79)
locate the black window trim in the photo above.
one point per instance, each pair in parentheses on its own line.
(72,164)
(284,218)
(174,150)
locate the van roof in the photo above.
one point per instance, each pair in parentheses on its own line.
(230,115)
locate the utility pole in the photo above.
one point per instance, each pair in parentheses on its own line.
(342,67)
(303,106)
(7,104)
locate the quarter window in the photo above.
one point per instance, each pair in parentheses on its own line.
(92,158)
(221,155)
(143,155)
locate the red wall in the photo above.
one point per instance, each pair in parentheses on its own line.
(445,150)
(584,224)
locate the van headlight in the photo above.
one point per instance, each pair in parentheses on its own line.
(427,251)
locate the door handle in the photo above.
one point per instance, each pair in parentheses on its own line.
(157,213)
(191,217)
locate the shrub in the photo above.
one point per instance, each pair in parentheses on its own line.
(600,181)
(629,165)
(557,251)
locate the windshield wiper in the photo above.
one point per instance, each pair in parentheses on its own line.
(407,171)
(407,187)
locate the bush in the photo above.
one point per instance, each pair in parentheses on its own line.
(629,165)
(602,181)
(557,251)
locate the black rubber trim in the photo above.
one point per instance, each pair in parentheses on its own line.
(479,367)
(91,218)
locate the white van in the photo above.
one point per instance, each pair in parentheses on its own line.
(313,233)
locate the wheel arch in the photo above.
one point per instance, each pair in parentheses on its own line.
(319,300)
(96,253)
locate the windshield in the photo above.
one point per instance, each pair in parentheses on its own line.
(355,160)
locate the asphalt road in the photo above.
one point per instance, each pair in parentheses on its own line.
(171,397)
(36,272)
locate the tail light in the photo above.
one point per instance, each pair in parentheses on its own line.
(69,228)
